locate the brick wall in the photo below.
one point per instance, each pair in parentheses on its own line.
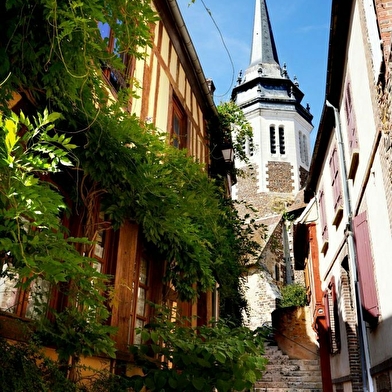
(384,14)
(352,333)
(280,177)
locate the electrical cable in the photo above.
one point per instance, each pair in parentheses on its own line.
(226,48)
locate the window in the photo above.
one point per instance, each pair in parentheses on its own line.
(365,269)
(336,186)
(178,128)
(305,150)
(247,146)
(141,299)
(29,303)
(105,242)
(351,131)
(272,140)
(8,291)
(277,275)
(117,78)
(301,147)
(282,146)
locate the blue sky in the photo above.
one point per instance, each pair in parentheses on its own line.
(301,31)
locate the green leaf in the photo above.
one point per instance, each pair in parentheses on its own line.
(11,138)
(198,383)
(154,336)
(220,357)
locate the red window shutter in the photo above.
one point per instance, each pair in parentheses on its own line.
(323,217)
(351,124)
(365,268)
(336,184)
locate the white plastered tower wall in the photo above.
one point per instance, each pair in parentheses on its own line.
(296,140)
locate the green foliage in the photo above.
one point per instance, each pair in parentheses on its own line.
(33,241)
(54,50)
(24,368)
(177,357)
(57,54)
(293,295)
(236,127)
(182,213)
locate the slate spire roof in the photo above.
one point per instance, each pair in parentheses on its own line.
(263,43)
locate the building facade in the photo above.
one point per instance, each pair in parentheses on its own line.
(345,232)
(177,99)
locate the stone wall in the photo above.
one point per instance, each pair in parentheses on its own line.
(262,294)
(293,332)
(280,177)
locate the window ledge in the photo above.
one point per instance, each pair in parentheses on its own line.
(325,246)
(338,216)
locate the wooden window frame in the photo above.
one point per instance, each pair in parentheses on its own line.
(178,132)
(21,304)
(117,79)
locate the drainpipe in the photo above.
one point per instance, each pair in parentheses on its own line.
(363,340)
(286,251)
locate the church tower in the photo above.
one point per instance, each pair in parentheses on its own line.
(279,156)
(271,102)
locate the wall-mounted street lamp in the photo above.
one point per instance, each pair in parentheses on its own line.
(228,153)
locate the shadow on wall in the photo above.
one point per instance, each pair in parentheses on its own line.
(293,332)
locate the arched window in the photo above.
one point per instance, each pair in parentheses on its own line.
(305,148)
(282,146)
(301,148)
(272,139)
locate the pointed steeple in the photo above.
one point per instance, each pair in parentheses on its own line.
(263,44)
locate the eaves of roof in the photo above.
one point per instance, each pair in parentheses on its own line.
(171,17)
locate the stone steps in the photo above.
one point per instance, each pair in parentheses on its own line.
(283,374)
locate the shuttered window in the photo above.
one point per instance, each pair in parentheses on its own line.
(351,124)
(336,182)
(323,221)
(365,268)
(351,132)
